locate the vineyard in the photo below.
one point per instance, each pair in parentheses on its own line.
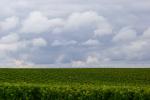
(75,84)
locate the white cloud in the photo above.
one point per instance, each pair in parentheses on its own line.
(125,35)
(21,63)
(63,43)
(137,49)
(78,64)
(92,60)
(89,62)
(91,42)
(137,45)
(89,20)
(9,42)
(80,20)
(146,33)
(35,23)
(74,24)
(10,38)
(8,47)
(39,42)
(104,29)
(9,23)
(56,25)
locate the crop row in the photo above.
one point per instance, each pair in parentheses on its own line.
(54,92)
(92,76)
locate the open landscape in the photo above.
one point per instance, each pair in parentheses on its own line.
(75,84)
(74,49)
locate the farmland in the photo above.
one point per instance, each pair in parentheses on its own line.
(75,84)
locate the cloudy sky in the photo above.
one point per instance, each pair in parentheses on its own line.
(74,33)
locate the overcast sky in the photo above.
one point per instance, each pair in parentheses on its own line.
(74,33)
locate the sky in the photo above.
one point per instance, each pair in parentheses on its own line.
(74,33)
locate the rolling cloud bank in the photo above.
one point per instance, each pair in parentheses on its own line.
(74,33)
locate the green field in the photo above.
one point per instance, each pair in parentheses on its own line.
(75,84)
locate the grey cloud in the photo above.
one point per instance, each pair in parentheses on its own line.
(39,42)
(91,42)
(125,35)
(9,23)
(35,23)
(74,32)
(63,43)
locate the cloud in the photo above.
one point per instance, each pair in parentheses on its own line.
(8,47)
(78,64)
(36,22)
(92,60)
(138,50)
(60,58)
(9,42)
(133,52)
(38,32)
(82,26)
(56,25)
(90,21)
(15,52)
(89,62)
(91,42)
(146,33)
(21,64)
(125,35)
(9,23)
(10,38)
(83,20)
(39,42)
(63,43)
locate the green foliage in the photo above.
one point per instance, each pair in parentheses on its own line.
(75,84)
(82,92)
(83,76)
